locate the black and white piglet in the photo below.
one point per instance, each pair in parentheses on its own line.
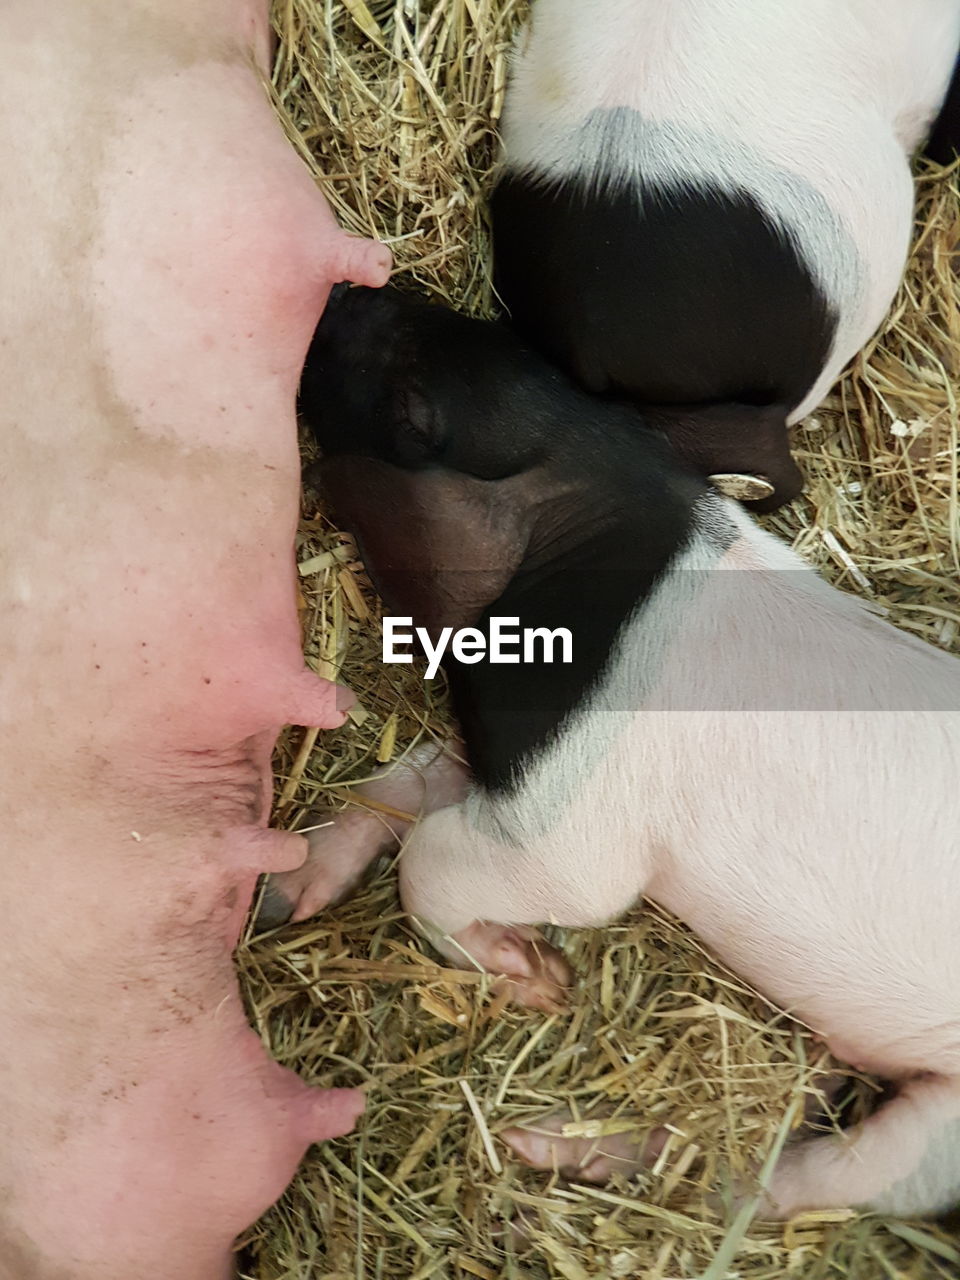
(734,738)
(706,207)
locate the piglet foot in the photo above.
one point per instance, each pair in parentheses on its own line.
(339,851)
(584,1151)
(534,973)
(903,1160)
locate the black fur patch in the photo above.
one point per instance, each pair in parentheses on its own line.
(943,145)
(691,297)
(510,714)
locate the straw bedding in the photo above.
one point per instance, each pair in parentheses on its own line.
(395,105)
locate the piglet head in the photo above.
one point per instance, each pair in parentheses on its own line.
(481,483)
(436,439)
(420,386)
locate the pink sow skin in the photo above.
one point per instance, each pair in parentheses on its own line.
(166,259)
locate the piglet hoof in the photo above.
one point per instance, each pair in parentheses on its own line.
(274,908)
(339,851)
(534,973)
(584,1151)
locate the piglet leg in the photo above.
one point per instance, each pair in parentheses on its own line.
(474,892)
(905,1159)
(383,816)
(380,814)
(595,1149)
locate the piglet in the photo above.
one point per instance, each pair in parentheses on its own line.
(735,739)
(705,208)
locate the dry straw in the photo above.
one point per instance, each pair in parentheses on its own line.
(395,104)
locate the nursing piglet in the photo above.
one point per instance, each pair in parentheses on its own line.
(706,207)
(733,738)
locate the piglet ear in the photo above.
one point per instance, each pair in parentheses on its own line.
(737,444)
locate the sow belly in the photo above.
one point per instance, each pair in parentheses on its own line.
(172,259)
